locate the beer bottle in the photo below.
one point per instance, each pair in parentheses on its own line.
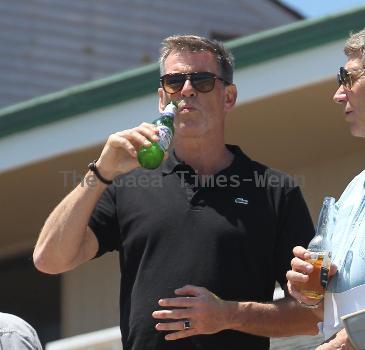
(319,246)
(151,157)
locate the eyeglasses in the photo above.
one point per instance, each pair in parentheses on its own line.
(201,81)
(346,78)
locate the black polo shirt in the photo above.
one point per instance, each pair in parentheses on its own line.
(232,233)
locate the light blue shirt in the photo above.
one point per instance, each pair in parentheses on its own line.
(348,239)
(346,289)
(16,334)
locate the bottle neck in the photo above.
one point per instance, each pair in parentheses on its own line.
(168,114)
(169,111)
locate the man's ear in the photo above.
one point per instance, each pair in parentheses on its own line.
(230,97)
(161,100)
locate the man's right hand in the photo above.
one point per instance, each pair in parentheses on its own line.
(119,154)
(299,274)
(66,240)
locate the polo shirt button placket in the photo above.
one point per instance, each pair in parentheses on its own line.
(189,188)
(197,201)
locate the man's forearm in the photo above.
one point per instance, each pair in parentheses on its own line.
(277,319)
(64,232)
(208,314)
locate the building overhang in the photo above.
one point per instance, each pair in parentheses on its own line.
(273,62)
(285,117)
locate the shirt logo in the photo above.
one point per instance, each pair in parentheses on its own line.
(240,200)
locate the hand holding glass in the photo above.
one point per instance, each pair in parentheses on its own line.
(320,254)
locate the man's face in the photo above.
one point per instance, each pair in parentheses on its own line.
(200,113)
(353,100)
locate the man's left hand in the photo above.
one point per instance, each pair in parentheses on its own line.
(339,341)
(205,312)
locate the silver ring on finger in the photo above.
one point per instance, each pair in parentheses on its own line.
(187,324)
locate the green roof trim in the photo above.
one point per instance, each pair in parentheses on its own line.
(79,99)
(296,37)
(136,83)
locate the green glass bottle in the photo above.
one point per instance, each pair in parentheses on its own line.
(151,157)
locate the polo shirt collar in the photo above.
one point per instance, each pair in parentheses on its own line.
(173,163)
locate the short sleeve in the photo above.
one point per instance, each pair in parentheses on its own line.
(16,341)
(295,228)
(17,334)
(104,222)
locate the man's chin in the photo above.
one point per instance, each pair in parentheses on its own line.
(188,132)
(357,131)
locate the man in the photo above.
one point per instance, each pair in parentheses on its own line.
(346,289)
(199,219)
(16,334)
(355,328)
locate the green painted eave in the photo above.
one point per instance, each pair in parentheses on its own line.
(78,99)
(296,37)
(133,84)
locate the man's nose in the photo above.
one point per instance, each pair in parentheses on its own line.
(340,95)
(188,89)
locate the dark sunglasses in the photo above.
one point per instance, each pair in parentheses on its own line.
(201,81)
(346,78)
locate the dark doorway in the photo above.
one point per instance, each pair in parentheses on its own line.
(31,295)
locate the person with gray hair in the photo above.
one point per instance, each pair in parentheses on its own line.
(17,334)
(195,222)
(345,295)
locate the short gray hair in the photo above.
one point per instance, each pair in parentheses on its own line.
(355,45)
(193,43)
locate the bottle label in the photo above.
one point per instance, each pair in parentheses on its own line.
(324,276)
(165,137)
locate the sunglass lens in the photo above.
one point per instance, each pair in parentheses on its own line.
(339,79)
(345,78)
(173,83)
(203,82)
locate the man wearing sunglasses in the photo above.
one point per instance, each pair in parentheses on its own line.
(345,294)
(229,234)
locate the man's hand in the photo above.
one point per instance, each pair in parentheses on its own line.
(299,274)
(206,313)
(119,154)
(339,341)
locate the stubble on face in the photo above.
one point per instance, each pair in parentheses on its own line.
(199,112)
(354,104)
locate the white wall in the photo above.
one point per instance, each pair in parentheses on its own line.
(90,296)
